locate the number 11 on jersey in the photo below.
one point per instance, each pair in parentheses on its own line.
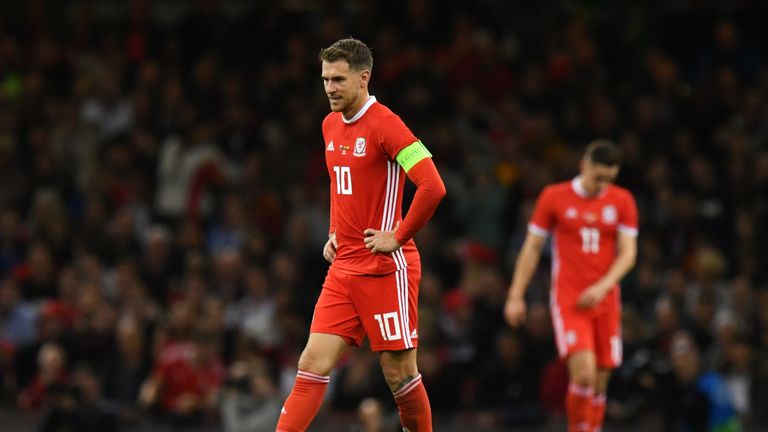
(343,180)
(590,240)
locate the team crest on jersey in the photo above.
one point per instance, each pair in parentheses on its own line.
(571,213)
(609,215)
(330,146)
(359,147)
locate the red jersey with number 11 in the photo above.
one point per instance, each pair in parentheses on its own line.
(366,185)
(584,233)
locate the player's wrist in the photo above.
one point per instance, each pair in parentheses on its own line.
(400,236)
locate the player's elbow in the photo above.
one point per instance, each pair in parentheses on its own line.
(434,190)
(440,191)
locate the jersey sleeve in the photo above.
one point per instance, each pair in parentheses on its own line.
(394,136)
(430,190)
(543,218)
(628,223)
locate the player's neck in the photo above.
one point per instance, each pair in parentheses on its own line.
(352,112)
(581,188)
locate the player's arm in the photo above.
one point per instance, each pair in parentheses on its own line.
(626,255)
(525,266)
(541,222)
(329,250)
(417,162)
(430,189)
(624,262)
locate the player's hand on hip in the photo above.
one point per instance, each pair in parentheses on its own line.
(381,241)
(591,297)
(514,311)
(329,250)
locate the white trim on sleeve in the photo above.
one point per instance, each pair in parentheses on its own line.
(539,231)
(628,230)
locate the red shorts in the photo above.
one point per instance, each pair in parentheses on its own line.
(597,330)
(383,307)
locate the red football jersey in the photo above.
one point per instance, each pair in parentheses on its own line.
(366,185)
(585,230)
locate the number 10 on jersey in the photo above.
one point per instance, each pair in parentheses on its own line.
(343,180)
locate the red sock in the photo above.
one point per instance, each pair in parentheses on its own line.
(413,404)
(303,402)
(578,404)
(598,412)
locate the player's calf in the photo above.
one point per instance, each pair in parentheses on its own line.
(413,405)
(401,374)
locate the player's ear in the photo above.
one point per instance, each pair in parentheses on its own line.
(365,76)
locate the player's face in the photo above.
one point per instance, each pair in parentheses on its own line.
(345,87)
(597,177)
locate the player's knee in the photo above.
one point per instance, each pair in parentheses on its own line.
(395,377)
(315,362)
(398,370)
(584,378)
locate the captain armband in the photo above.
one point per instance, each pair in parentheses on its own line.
(411,155)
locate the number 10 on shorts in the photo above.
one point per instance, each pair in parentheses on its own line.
(390,331)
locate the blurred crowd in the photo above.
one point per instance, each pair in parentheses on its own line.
(164,202)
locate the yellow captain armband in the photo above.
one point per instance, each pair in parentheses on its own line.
(411,155)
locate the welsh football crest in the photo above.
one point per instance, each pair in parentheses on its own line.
(359,147)
(609,215)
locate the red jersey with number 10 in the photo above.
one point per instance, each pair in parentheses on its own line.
(366,185)
(585,230)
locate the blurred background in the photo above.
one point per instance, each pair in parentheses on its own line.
(164,203)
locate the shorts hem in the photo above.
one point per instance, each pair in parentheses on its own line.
(348,338)
(399,347)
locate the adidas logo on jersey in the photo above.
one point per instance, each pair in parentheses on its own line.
(283,411)
(414,334)
(330,146)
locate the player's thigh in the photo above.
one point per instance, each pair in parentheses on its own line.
(335,312)
(573,330)
(388,308)
(608,343)
(321,353)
